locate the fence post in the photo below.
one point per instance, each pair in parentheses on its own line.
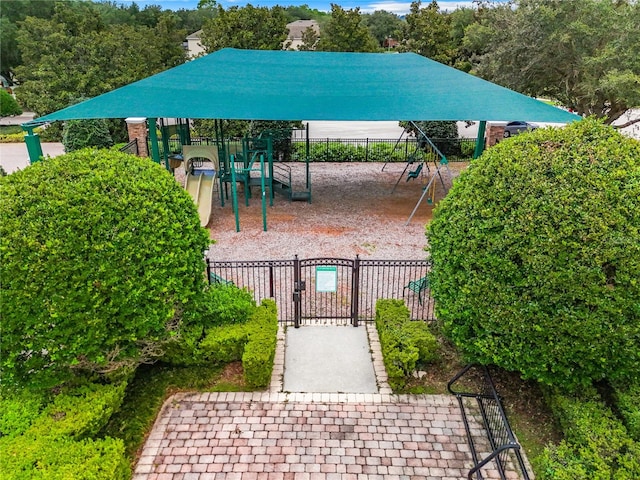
(355,292)
(296,293)
(366,152)
(208,271)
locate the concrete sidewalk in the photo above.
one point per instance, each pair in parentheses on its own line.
(14,156)
(329,359)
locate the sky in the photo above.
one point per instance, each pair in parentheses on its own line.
(399,7)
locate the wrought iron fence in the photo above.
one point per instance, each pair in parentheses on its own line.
(359,284)
(378,150)
(359,149)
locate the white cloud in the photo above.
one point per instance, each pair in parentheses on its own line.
(402,8)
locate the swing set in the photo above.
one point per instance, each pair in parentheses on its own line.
(425,151)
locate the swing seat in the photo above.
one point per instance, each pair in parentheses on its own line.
(415,173)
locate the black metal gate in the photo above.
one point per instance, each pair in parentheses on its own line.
(330,290)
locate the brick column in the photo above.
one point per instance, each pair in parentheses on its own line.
(137,128)
(495,134)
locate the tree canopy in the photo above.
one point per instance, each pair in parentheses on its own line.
(346,32)
(249,27)
(76,54)
(583,53)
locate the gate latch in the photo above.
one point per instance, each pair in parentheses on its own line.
(299,286)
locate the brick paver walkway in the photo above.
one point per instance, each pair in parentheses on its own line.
(277,435)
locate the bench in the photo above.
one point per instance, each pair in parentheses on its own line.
(218,280)
(418,287)
(505,451)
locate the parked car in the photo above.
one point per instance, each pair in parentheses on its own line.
(514,128)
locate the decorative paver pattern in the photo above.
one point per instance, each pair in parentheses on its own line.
(276,435)
(294,436)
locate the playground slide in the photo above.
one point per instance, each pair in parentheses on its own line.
(200,187)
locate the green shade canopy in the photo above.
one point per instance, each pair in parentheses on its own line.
(292,85)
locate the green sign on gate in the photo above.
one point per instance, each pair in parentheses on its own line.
(326,279)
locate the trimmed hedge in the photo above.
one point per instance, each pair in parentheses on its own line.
(628,404)
(596,446)
(253,342)
(405,344)
(219,306)
(100,252)
(536,256)
(57,441)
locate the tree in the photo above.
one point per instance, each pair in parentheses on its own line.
(75,54)
(248,27)
(536,256)
(79,134)
(309,39)
(8,104)
(346,32)
(582,53)
(428,33)
(100,252)
(384,25)
(11,13)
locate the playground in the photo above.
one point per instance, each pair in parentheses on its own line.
(353,212)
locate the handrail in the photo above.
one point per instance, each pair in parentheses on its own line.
(499,433)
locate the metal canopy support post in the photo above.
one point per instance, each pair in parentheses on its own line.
(480,140)
(164,133)
(153,137)
(34,148)
(264,193)
(234,192)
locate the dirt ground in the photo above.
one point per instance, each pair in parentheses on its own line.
(353,212)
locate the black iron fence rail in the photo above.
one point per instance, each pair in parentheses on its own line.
(503,450)
(131,147)
(359,149)
(360,283)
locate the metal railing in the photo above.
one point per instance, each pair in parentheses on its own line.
(377,150)
(360,149)
(503,450)
(131,147)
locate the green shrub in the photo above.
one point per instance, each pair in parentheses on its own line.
(41,458)
(596,444)
(80,412)
(18,410)
(536,256)
(253,342)
(57,441)
(79,134)
(224,344)
(628,404)
(405,344)
(218,306)
(8,104)
(100,252)
(260,350)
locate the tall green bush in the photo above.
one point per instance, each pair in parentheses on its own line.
(8,104)
(79,134)
(536,256)
(100,252)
